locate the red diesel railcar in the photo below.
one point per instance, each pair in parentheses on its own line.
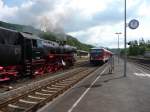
(99,55)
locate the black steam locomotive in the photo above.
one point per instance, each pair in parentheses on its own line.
(24,54)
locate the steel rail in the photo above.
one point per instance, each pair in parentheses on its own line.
(32,100)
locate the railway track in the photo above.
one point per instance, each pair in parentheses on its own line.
(142,63)
(145,66)
(8,86)
(33,99)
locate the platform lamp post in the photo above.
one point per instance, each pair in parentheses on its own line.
(125,40)
(133,24)
(118,33)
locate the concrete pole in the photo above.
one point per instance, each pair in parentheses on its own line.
(125,40)
(118,50)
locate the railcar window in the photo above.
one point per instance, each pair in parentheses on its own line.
(96,51)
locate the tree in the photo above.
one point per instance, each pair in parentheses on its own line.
(141,42)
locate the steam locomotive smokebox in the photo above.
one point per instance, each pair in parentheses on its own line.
(10,54)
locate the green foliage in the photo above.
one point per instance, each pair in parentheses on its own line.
(20,28)
(74,42)
(133,50)
(142,50)
(11,26)
(122,51)
(114,50)
(147,49)
(138,48)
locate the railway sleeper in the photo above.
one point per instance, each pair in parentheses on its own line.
(25,104)
(48,99)
(57,86)
(44,91)
(49,91)
(14,108)
(42,94)
(18,106)
(27,101)
(66,83)
(36,97)
(62,84)
(21,105)
(42,102)
(53,88)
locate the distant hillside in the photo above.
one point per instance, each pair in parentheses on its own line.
(74,42)
(46,35)
(21,28)
(69,40)
(114,50)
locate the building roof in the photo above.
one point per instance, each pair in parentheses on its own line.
(29,36)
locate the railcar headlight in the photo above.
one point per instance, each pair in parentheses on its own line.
(50,56)
(1,68)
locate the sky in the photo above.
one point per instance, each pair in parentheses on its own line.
(90,21)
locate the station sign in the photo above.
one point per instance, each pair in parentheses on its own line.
(133,24)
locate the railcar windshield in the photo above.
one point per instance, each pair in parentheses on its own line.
(99,51)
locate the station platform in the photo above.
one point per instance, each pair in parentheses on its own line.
(105,92)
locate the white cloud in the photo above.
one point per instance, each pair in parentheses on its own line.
(133,3)
(59,13)
(91,21)
(89,7)
(6,11)
(144,9)
(99,35)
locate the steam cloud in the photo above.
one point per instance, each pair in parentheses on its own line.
(73,16)
(47,15)
(53,15)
